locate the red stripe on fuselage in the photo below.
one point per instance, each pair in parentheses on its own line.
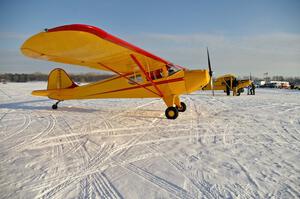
(144,85)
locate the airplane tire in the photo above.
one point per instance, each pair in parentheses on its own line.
(182,108)
(54,106)
(171,113)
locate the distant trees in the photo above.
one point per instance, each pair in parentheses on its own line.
(22,77)
(278,78)
(16,77)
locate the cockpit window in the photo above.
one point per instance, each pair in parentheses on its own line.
(135,78)
(172,70)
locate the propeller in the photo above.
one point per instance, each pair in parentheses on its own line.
(210,73)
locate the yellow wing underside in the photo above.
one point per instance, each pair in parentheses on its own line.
(86,49)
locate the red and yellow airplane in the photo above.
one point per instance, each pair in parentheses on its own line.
(139,74)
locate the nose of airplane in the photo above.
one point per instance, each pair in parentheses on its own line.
(195,79)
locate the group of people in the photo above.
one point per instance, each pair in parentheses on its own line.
(234,86)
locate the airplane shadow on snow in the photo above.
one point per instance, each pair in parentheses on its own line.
(34,105)
(29,105)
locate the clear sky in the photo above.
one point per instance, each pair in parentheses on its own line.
(243,35)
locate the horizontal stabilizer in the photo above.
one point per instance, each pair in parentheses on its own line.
(41,93)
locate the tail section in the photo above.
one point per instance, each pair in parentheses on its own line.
(57,79)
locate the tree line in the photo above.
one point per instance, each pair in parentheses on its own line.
(22,77)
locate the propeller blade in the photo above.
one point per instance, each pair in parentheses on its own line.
(210,73)
(208,60)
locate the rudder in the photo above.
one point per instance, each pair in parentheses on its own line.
(59,79)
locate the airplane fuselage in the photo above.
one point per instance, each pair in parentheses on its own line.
(181,82)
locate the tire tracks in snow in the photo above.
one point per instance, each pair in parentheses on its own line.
(24,126)
(159,182)
(104,188)
(181,169)
(35,139)
(100,182)
(95,180)
(144,174)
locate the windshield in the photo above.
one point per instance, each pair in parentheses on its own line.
(172,70)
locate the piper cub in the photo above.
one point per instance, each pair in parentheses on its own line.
(138,73)
(229,83)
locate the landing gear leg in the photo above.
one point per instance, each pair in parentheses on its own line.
(54,106)
(181,107)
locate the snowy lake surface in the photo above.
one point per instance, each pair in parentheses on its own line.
(221,147)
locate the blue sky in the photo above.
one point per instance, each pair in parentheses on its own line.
(243,36)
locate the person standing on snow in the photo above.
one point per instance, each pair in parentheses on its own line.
(234,86)
(252,89)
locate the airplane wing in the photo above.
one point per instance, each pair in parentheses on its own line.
(225,76)
(89,46)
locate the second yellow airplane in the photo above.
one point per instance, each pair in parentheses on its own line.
(229,83)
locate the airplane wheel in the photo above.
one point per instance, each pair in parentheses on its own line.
(54,106)
(171,113)
(182,108)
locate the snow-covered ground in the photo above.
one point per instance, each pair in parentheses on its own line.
(221,147)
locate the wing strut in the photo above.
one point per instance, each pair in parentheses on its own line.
(146,74)
(124,75)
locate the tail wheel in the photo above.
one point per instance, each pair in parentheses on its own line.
(171,113)
(182,108)
(54,106)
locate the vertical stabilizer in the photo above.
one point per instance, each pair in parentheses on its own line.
(59,79)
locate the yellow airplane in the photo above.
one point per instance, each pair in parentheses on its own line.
(228,83)
(139,74)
